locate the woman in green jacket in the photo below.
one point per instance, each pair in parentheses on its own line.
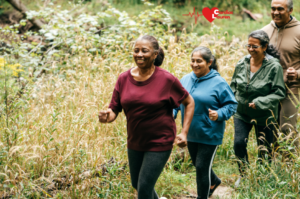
(258,86)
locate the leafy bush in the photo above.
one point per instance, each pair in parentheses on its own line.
(52,144)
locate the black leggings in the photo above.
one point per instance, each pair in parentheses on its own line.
(145,168)
(241,135)
(202,156)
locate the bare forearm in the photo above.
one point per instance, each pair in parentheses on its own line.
(112,116)
(188,116)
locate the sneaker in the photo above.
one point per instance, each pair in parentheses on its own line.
(238,182)
(211,191)
(163,198)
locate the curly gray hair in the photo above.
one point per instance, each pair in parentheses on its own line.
(264,40)
(261,35)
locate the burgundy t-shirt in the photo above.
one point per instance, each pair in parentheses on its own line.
(148,108)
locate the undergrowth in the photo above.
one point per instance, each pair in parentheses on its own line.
(52,144)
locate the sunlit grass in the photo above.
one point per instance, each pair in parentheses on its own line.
(54,146)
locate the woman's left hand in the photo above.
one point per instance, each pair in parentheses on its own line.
(181,140)
(213,115)
(252,105)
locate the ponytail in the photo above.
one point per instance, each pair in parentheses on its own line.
(160,57)
(271,50)
(214,63)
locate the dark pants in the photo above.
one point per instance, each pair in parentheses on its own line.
(264,136)
(202,156)
(145,168)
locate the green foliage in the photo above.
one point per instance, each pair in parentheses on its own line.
(279,179)
(52,144)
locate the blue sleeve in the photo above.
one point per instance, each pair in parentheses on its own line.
(228,104)
(175,112)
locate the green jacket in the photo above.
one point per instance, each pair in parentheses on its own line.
(266,88)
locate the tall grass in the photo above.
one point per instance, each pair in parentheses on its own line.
(52,144)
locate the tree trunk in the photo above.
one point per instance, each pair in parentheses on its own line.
(18,5)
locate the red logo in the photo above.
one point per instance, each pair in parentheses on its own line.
(192,14)
(209,14)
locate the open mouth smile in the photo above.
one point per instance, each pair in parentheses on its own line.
(140,61)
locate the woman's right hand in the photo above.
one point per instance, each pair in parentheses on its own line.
(107,116)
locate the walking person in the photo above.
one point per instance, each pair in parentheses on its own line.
(214,103)
(284,33)
(258,86)
(148,94)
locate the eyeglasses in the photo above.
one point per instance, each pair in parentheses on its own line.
(253,47)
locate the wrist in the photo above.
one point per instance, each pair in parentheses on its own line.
(184,132)
(219,113)
(112,116)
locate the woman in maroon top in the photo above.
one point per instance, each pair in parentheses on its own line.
(147,94)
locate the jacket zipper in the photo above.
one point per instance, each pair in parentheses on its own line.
(248,82)
(247,96)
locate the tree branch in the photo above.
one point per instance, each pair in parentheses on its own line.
(18,5)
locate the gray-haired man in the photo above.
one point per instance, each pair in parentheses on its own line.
(284,33)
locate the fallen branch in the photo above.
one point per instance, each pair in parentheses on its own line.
(250,14)
(18,5)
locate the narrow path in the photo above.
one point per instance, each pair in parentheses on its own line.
(222,192)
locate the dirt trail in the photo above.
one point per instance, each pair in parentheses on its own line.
(222,192)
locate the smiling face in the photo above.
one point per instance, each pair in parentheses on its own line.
(144,54)
(280,13)
(199,65)
(258,52)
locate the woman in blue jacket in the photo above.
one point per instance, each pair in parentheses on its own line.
(214,103)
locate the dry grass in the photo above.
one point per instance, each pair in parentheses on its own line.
(52,145)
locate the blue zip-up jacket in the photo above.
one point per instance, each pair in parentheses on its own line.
(209,92)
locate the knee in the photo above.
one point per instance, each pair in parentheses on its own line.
(144,189)
(200,167)
(240,145)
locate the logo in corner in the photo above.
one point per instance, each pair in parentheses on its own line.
(209,14)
